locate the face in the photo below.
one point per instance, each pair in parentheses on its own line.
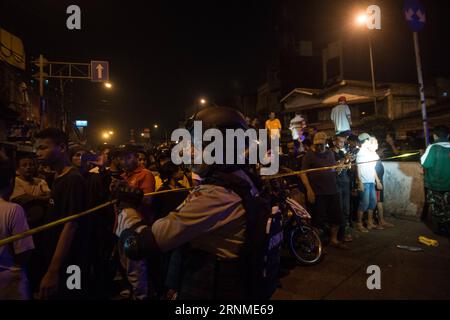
(373,144)
(320,147)
(47,152)
(179,174)
(129,162)
(142,160)
(339,142)
(389,138)
(272,115)
(103,157)
(76,158)
(26,168)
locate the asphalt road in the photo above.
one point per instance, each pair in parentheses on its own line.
(404,274)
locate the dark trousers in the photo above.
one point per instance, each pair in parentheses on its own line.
(326,209)
(344,193)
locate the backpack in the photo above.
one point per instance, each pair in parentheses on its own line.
(262,248)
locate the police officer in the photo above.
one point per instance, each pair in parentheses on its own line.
(209,227)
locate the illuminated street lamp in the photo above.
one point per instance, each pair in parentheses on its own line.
(204,102)
(106,135)
(361,20)
(111,133)
(108,85)
(155,126)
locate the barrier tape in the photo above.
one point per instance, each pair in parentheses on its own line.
(55,223)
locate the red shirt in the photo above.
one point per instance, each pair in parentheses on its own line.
(140,178)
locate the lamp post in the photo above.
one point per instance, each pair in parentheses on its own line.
(361,20)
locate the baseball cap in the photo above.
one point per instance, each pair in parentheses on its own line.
(320,138)
(363,136)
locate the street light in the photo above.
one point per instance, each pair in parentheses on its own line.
(111,132)
(108,85)
(106,135)
(155,126)
(204,102)
(361,20)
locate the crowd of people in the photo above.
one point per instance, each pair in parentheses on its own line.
(61,180)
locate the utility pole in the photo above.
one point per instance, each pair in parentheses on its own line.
(416,18)
(421,88)
(373,76)
(41,92)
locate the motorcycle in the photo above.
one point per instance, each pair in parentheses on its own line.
(299,236)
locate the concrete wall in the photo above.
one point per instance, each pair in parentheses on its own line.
(403,189)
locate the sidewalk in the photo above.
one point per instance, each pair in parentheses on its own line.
(404,274)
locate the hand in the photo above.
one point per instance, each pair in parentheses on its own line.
(361,187)
(49,285)
(311,196)
(379,186)
(113,184)
(116,183)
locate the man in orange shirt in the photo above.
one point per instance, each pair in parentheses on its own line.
(273,125)
(135,175)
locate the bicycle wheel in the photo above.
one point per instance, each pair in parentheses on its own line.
(305,245)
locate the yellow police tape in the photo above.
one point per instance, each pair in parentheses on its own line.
(55,223)
(84,213)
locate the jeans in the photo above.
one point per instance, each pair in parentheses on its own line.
(344,192)
(367,198)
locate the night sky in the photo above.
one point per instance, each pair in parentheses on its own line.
(165,55)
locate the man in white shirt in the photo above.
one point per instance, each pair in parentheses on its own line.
(296,126)
(341,117)
(13,279)
(366,161)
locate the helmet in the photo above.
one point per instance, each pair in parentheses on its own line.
(220,118)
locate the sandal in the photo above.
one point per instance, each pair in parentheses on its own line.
(361,228)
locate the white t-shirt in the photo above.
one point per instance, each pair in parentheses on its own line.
(296,126)
(13,280)
(366,171)
(37,188)
(339,116)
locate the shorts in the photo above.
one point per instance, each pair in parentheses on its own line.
(367,198)
(327,208)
